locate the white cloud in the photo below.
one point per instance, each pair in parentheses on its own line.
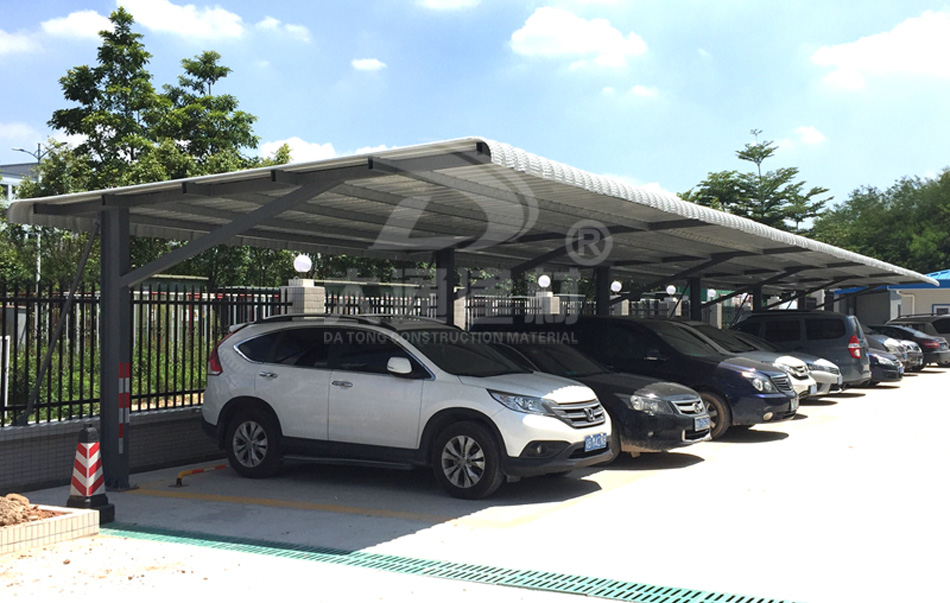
(205,23)
(609,90)
(274,25)
(810,135)
(918,46)
(298,31)
(14,43)
(368,64)
(300,150)
(448,4)
(17,132)
(554,32)
(80,24)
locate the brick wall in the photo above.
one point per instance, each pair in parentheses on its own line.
(41,456)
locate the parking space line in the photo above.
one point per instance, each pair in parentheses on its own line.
(288,504)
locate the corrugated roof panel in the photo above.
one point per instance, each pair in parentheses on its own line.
(513,206)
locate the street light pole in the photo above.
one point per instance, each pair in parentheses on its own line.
(38,155)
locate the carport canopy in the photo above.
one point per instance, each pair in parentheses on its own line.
(469,202)
(494,205)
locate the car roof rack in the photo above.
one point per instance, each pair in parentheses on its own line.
(377,320)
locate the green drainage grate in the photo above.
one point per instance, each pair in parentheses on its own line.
(603,588)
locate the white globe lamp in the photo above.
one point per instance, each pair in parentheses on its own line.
(303,263)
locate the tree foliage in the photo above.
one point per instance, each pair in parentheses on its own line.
(908,224)
(773,198)
(130,134)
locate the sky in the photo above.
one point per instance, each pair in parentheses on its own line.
(657,92)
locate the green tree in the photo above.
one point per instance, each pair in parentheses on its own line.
(773,198)
(116,105)
(908,224)
(203,124)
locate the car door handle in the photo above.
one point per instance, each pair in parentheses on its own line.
(267,375)
(342,383)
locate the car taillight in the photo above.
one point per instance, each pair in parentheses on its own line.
(854,347)
(931,344)
(214,361)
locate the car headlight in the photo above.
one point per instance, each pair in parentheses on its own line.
(760,382)
(824,365)
(645,404)
(521,403)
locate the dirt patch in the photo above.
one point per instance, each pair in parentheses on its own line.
(15,508)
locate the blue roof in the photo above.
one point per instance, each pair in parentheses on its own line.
(942,276)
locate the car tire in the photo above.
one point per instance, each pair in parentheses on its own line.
(466,461)
(253,443)
(720,415)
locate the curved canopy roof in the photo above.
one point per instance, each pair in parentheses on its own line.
(496,205)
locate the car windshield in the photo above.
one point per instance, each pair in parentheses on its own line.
(725,339)
(561,360)
(756,342)
(461,353)
(684,340)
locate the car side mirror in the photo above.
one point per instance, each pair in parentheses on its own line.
(654,355)
(401,367)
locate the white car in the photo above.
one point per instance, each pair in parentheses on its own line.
(398,392)
(826,373)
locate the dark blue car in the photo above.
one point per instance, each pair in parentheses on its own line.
(736,391)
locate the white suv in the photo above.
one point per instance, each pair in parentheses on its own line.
(400,392)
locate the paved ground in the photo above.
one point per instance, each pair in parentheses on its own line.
(845,503)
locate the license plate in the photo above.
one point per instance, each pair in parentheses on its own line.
(701,423)
(812,390)
(595,442)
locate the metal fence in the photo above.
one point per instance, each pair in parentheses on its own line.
(174,329)
(418,305)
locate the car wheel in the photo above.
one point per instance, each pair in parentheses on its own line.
(253,443)
(720,415)
(466,461)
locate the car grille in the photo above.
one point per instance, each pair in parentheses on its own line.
(580,414)
(687,404)
(799,372)
(782,383)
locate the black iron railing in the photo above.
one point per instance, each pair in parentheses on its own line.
(174,330)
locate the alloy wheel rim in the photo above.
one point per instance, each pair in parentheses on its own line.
(463,461)
(250,444)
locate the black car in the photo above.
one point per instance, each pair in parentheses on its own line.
(648,415)
(935,348)
(735,391)
(935,325)
(884,367)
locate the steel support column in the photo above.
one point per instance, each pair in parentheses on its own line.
(757,301)
(445,285)
(695,299)
(116,349)
(602,290)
